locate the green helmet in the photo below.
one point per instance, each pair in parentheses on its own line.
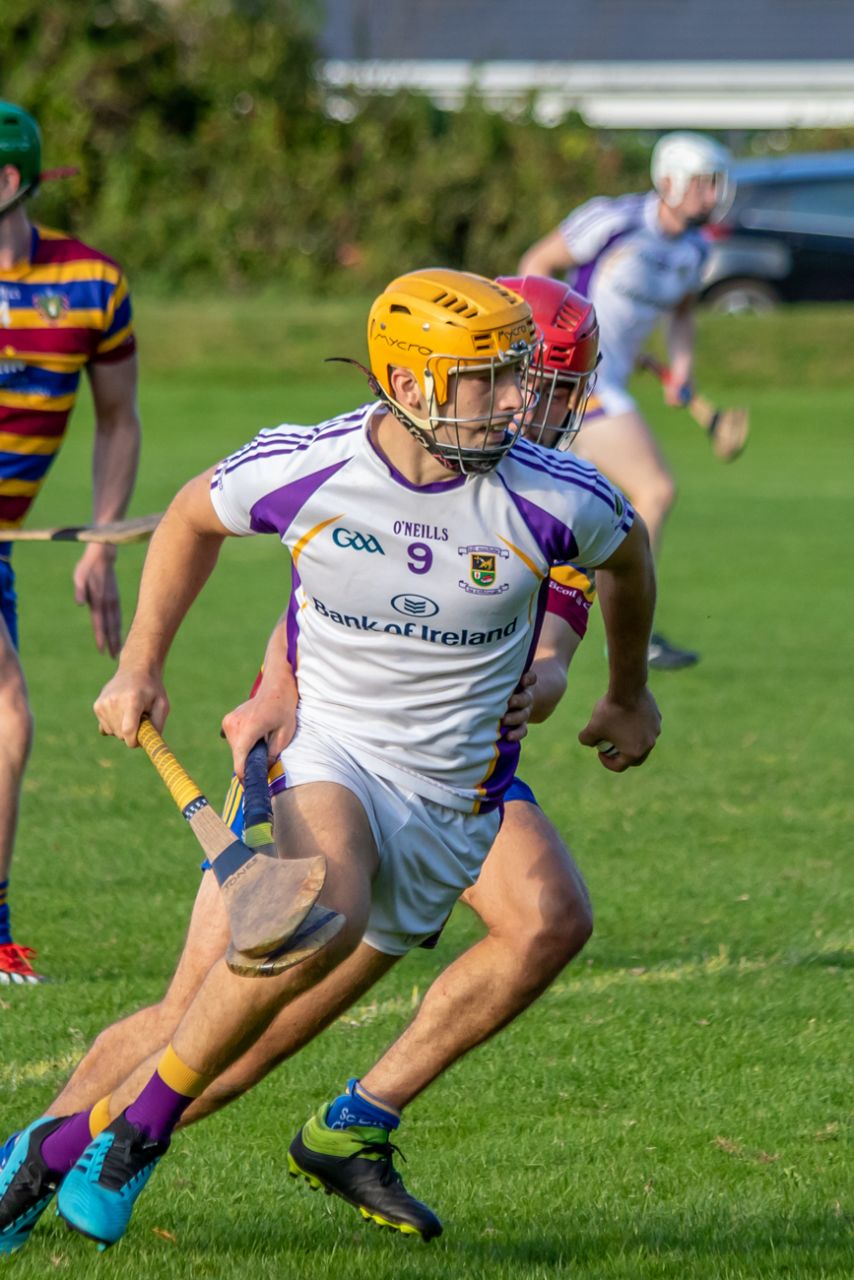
(20,145)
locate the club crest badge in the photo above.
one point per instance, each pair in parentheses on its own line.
(52,306)
(483,570)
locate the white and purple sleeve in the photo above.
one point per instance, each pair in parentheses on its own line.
(238,484)
(588,229)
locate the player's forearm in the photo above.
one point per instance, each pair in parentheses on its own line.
(626,588)
(550,687)
(114,465)
(547,257)
(680,344)
(278,677)
(556,648)
(180,559)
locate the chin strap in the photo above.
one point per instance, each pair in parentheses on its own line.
(373,382)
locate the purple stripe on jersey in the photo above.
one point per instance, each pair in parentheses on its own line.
(261,450)
(292,624)
(553,537)
(607,496)
(502,775)
(582,277)
(568,469)
(508,752)
(276,511)
(438,486)
(287,433)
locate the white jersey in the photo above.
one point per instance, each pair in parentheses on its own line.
(631,271)
(414,611)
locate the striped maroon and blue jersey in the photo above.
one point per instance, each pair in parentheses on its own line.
(64,307)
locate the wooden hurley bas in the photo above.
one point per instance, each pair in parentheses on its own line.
(320,924)
(267,898)
(727,429)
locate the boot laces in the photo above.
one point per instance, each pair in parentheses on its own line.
(386,1151)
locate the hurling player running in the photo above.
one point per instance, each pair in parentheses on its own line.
(63,308)
(399,763)
(639,259)
(529,893)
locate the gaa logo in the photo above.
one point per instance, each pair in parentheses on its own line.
(356,541)
(415,606)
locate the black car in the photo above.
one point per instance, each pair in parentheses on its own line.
(788,237)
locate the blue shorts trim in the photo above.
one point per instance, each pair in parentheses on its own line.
(519,790)
(8,594)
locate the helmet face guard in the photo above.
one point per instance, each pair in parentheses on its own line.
(453,438)
(21,146)
(560,434)
(570,355)
(446,327)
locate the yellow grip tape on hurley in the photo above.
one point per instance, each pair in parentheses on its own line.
(182,788)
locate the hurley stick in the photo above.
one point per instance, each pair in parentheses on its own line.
(117,534)
(727,429)
(266,898)
(320,924)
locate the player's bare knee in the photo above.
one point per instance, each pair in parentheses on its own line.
(563,929)
(658,495)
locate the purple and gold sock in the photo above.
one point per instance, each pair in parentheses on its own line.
(357,1106)
(5,916)
(166,1097)
(63,1148)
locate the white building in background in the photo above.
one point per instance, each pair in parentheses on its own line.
(656,64)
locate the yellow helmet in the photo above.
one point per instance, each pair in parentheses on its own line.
(440,324)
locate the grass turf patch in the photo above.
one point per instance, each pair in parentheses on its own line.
(678,1104)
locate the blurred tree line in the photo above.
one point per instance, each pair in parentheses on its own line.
(207,157)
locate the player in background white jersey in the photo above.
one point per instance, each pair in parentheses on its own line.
(440,433)
(639,259)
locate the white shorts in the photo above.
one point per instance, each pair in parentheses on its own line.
(428,854)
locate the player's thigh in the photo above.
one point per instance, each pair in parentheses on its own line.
(530,881)
(327,818)
(623,447)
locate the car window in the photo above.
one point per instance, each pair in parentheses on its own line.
(821,207)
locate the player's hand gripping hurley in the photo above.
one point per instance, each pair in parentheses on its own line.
(727,429)
(320,924)
(266,898)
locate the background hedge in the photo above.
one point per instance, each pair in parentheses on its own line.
(207,158)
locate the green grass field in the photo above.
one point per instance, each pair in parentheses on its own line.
(678,1104)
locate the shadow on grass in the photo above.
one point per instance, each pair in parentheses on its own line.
(840,959)
(709,1243)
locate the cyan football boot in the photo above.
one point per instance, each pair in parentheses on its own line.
(8,1147)
(98,1195)
(27,1186)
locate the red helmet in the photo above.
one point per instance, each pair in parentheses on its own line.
(570,352)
